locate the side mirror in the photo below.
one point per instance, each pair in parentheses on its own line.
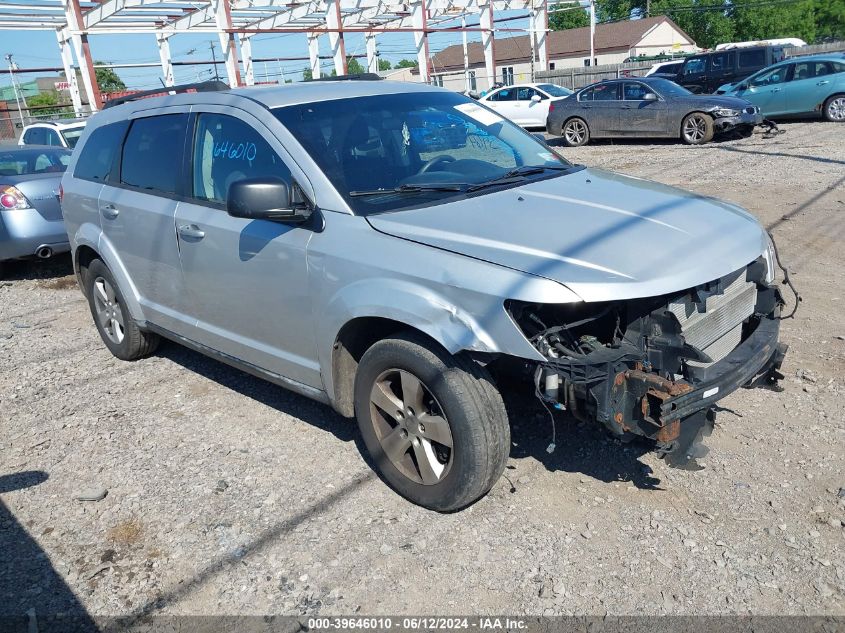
(649,96)
(265,199)
(536,98)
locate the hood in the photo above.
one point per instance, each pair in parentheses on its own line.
(602,235)
(717,101)
(725,88)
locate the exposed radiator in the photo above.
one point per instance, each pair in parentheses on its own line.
(718,329)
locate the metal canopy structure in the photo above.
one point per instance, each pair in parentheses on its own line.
(235,22)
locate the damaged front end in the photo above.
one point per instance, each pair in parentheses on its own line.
(656,366)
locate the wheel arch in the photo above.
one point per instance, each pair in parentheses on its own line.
(687,115)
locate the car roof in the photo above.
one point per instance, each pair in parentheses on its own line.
(59,123)
(21,149)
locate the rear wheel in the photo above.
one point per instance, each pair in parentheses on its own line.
(697,129)
(834,109)
(575,132)
(116,326)
(433,423)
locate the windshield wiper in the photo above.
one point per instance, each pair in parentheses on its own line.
(458,186)
(517,175)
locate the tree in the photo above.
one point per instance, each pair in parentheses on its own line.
(108,80)
(353,67)
(307,75)
(794,19)
(406,63)
(571,19)
(46,103)
(830,19)
(384,64)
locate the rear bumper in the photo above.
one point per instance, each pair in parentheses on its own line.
(24,231)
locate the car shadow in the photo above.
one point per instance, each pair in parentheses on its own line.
(32,269)
(282,400)
(33,595)
(580,447)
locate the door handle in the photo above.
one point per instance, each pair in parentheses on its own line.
(109,211)
(626,107)
(823,83)
(191,231)
(776,90)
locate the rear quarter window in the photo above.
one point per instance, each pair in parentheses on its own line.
(752,59)
(99,152)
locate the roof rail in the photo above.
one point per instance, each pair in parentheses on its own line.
(358,77)
(203,86)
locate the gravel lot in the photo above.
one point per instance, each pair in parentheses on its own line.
(229,495)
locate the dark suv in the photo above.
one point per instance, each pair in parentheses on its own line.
(703,74)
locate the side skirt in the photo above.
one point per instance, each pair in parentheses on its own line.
(277,379)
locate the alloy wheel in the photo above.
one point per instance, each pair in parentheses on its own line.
(695,128)
(411,427)
(575,132)
(108,310)
(836,109)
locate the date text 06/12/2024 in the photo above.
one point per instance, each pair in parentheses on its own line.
(430,623)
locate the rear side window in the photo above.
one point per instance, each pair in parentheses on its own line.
(720,62)
(152,153)
(99,152)
(227,150)
(602,92)
(52,138)
(752,59)
(695,66)
(35,136)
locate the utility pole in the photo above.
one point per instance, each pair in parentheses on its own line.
(15,89)
(214,58)
(648,8)
(466,53)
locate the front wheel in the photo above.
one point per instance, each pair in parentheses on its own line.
(433,423)
(834,109)
(575,132)
(697,129)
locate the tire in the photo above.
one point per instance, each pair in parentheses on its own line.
(116,326)
(456,392)
(575,132)
(834,109)
(697,128)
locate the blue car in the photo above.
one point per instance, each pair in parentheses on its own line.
(814,84)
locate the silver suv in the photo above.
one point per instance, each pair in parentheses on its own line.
(387,248)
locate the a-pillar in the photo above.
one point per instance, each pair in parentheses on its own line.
(70,73)
(419,18)
(166,62)
(488,41)
(314,54)
(79,39)
(335,28)
(372,53)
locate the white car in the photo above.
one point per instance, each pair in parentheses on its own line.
(61,133)
(525,104)
(671,67)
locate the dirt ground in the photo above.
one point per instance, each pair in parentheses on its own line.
(228,495)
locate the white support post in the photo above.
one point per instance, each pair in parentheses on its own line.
(314,54)
(223,20)
(592,32)
(246,56)
(335,25)
(419,17)
(166,62)
(466,53)
(372,53)
(488,42)
(540,27)
(79,39)
(70,74)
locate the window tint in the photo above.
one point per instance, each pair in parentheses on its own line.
(838,67)
(695,66)
(152,153)
(720,62)
(99,152)
(506,94)
(752,58)
(227,150)
(635,91)
(602,92)
(810,70)
(769,77)
(52,138)
(525,94)
(20,163)
(35,136)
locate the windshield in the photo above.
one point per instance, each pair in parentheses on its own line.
(667,87)
(390,152)
(72,135)
(554,91)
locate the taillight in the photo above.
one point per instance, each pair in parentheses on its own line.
(12,198)
(551,107)
(61,193)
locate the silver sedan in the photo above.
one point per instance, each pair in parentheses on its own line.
(31,223)
(648,107)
